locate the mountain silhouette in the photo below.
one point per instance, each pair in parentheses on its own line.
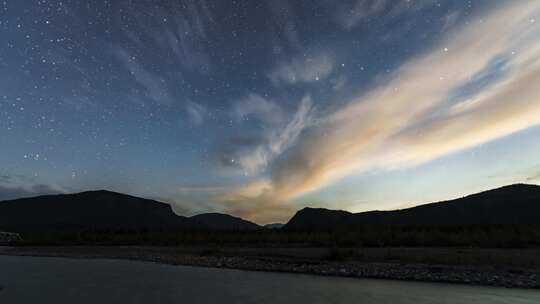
(105,210)
(517,204)
(110,211)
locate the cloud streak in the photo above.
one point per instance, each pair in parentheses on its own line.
(534,177)
(350,16)
(361,10)
(303,70)
(417,114)
(12,187)
(196,112)
(155,87)
(284,20)
(253,154)
(183,30)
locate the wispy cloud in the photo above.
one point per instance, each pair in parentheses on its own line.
(279,132)
(285,22)
(534,177)
(181,31)
(196,112)
(350,16)
(338,83)
(414,116)
(18,186)
(258,107)
(78,102)
(408,6)
(303,70)
(288,135)
(362,9)
(155,87)
(200,188)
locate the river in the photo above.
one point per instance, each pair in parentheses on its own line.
(60,280)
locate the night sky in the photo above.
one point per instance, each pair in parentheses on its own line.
(260,108)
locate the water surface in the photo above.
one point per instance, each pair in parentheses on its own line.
(59,280)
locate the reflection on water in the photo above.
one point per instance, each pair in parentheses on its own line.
(57,280)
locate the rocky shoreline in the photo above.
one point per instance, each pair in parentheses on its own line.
(487,276)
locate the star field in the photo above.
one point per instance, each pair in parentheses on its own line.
(258,108)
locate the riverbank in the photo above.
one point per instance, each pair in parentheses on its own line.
(489,267)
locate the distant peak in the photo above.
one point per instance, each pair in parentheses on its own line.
(515,187)
(106,192)
(520,185)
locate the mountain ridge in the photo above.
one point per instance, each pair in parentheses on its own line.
(490,207)
(105,210)
(109,210)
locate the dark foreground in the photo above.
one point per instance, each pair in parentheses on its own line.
(518,268)
(60,280)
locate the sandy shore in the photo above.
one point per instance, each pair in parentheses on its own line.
(307,261)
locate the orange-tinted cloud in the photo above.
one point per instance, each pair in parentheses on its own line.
(417,114)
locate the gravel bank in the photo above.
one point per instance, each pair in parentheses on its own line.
(489,276)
